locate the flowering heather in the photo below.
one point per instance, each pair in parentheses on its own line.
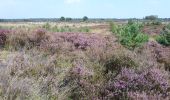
(39,64)
(40,32)
(80,40)
(80,87)
(3,36)
(37,36)
(145,96)
(152,81)
(75,41)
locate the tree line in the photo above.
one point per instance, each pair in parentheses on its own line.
(84,19)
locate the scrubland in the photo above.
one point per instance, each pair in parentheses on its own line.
(84,61)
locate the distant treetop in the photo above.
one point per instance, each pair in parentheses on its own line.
(62,18)
(151,17)
(85,18)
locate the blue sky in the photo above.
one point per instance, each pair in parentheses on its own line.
(80,8)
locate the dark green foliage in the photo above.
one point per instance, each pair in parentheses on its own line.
(68,19)
(62,19)
(164,38)
(130,35)
(113,27)
(157,22)
(130,22)
(151,17)
(85,18)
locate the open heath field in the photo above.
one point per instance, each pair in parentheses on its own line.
(85,60)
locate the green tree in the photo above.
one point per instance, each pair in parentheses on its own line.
(151,17)
(164,37)
(68,19)
(62,18)
(85,18)
(130,35)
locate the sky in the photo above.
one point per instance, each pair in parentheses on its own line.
(78,8)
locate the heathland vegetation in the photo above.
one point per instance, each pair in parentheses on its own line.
(85,61)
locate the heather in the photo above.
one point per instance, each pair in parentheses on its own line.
(44,63)
(3,33)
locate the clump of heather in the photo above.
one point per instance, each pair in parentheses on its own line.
(37,36)
(30,75)
(74,41)
(17,39)
(80,40)
(119,61)
(3,36)
(25,39)
(151,81)
(78,82)
(145,96)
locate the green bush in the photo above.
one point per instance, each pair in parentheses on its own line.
(84,29)
(62,18)
(85,18)
(68,19)
(157,22)
(113,27)
(164,37)
(46,26)
(151,17)
(130,35)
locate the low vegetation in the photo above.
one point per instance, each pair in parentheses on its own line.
(164,37)
(65,28)
(51,62)
(130,35)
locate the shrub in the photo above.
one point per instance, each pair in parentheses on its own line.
(130,35)
(16,40)
(47,26)
(3,36)
(77,80)
(113,27)
(157,22)
(130,22)
(76,41)
(28,76)
(37,36)
(25,39)
(151,81)
(117,62)
(164,37)
(145,96)
(84,29)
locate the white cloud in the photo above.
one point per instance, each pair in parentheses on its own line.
(72,1)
